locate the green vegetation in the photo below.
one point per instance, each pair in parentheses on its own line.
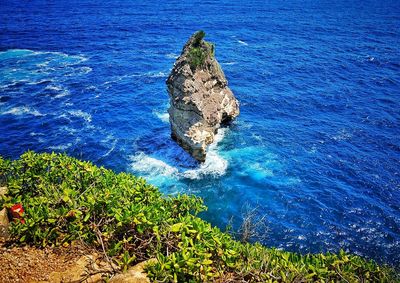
(198,37)
(67,200)
(199,50)
(197,57)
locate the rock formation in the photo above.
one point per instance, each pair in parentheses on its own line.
(200,100)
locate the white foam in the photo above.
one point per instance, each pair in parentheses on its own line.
(107,140)
(342,135)
(111,149)
(214,165)
(370,58)
(26,52)
(91,87)
(79,58)
(33,134)
(78,71)
(163,116)
(44,64)
(69,130)
(62,94)
(11,84)
(23,110)
(156,75)
(35,82)
(172,55)
(53,87)
(243,43)
(229,63)
(79,113)
(85,70)
(218,137)
(148,75)
(60,147)
(151,166)
(116,80)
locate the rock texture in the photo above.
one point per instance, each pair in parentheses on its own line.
(50,264)
(135,274)
(200,99)
(84,270)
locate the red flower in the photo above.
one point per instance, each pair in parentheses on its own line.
(17,212)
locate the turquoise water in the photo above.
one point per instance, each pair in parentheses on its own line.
(316,147)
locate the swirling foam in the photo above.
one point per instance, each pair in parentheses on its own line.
(214,166)
(151,166)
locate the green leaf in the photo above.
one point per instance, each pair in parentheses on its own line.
(87,216)
(176,227)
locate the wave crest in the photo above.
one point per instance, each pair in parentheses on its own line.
(23,110)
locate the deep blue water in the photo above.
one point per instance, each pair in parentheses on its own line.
(317,144)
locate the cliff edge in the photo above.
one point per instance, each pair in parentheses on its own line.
(200,99)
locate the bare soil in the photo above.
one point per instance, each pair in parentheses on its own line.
(31,264)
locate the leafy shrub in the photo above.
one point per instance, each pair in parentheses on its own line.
(211,48)
(197,57)
(66,200)
(198,37)
(199,50)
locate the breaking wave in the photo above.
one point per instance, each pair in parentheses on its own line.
(214,166)
(151,167)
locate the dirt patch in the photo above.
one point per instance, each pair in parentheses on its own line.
(31,264)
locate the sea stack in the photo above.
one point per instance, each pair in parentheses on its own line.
(200,99)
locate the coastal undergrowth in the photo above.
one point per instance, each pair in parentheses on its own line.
(67,200)
(200,50)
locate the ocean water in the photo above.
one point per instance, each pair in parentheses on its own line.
(316,148)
